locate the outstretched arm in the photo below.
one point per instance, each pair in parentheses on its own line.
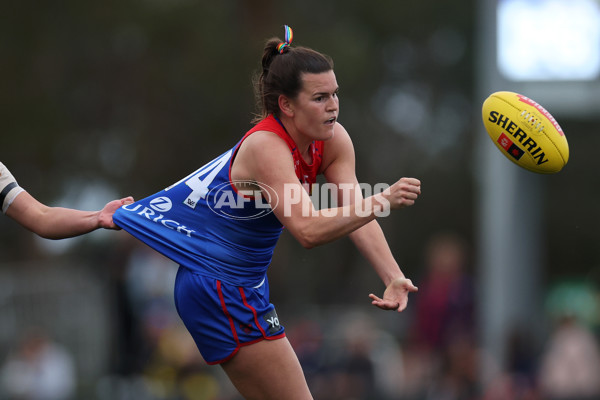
(59,222)
(51,222)
(370,239)
(265,158)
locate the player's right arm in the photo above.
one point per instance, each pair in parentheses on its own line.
(265,158)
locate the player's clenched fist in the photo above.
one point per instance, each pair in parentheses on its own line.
(403,193)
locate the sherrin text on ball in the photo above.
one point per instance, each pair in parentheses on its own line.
(525,132)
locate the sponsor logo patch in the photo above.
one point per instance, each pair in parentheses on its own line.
(273,321)
(515,151)
(161,204)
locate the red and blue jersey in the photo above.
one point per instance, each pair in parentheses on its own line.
(205,224)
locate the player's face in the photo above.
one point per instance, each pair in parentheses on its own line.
(316,107)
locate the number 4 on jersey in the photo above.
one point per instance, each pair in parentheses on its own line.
(200,180)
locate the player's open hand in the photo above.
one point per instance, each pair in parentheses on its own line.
(105,218)
(395,296)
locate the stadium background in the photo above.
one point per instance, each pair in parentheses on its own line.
(102,100)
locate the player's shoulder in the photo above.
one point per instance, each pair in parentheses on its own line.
(264,143)
(261,151)
(264,137)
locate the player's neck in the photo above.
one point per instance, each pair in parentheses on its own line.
(302,141)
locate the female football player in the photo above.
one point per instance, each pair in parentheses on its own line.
(221,222)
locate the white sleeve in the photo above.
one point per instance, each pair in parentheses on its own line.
(9,189)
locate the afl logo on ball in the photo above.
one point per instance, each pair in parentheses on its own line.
(161,204)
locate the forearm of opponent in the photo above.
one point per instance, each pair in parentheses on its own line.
(59,222)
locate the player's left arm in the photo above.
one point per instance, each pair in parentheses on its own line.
(58,222)
(339,169)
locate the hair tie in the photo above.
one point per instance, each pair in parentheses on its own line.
(289,35)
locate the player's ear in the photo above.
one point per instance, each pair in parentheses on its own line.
(285,105)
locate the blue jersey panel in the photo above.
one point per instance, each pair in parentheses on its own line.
(204,224)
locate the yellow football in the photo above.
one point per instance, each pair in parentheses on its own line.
(525,132)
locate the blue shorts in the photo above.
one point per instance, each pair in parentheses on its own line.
(221,317)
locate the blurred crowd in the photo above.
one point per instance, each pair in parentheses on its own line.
(346,353)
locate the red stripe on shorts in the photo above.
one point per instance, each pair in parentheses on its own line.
(231,323)
(253,312)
